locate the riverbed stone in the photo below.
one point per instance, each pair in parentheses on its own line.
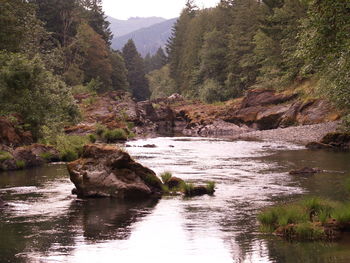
(107,171)
(305,170)
(29,156)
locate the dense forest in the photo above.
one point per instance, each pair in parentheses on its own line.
(217,54)
(52,49)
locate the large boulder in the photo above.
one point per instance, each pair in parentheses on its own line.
(316,111)
(107,171)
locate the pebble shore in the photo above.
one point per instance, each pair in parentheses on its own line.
(298,134)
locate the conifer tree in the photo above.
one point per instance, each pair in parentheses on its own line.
(136,71)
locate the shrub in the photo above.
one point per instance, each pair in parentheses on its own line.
(5,156)
(70,146)
(211,92)
(69,155)
(100,129)
(92,138)
(46,155)
(20,164)
(29,89)
(165,177)
(115,135)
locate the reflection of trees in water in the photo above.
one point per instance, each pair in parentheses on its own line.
(108,219)
(291,252)
(95,219)
(236,226)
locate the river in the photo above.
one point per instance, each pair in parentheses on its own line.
(44,222)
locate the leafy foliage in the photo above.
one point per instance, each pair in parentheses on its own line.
(27,88)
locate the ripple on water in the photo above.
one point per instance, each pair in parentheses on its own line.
(48,224)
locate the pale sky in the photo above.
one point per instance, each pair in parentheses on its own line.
(123,9)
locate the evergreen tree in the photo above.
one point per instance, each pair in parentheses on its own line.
(157,61)
(242,67)
(97,19)
(136,71)
(61,18)
(276,42)
(119,72)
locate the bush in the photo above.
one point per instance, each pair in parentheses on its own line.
(211,92)
(46,155)
(29,89)
(69,146)
(166,177)
(92,138)
(100,129)
(5,156)
(115,135)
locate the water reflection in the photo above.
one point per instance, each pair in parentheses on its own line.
(45,223)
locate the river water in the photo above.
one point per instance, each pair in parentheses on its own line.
(45,223)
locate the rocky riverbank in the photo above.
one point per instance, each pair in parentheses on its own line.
(116,116)
(298,134)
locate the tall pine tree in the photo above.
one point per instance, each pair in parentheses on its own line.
(136,71)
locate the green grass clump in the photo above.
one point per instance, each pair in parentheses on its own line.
(342,214)
(20,164)
(70,146)
(115,135)
(188,188)
(166,176)
(151,179)
(282,215)
(5,156)
(211,187)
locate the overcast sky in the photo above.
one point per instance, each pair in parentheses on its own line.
(123,9)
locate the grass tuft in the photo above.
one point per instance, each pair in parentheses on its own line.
(166,176)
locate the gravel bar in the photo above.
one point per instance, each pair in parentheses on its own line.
(297,134)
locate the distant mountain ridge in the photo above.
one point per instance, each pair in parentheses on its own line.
(122,27)
(149,39)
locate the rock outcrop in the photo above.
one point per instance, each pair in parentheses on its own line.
(28,156)
(332,141)
(11,135)
(107,171)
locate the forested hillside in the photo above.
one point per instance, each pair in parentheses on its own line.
(123,27)
(50,50)
(53,49)
(217,54)
(147,39)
